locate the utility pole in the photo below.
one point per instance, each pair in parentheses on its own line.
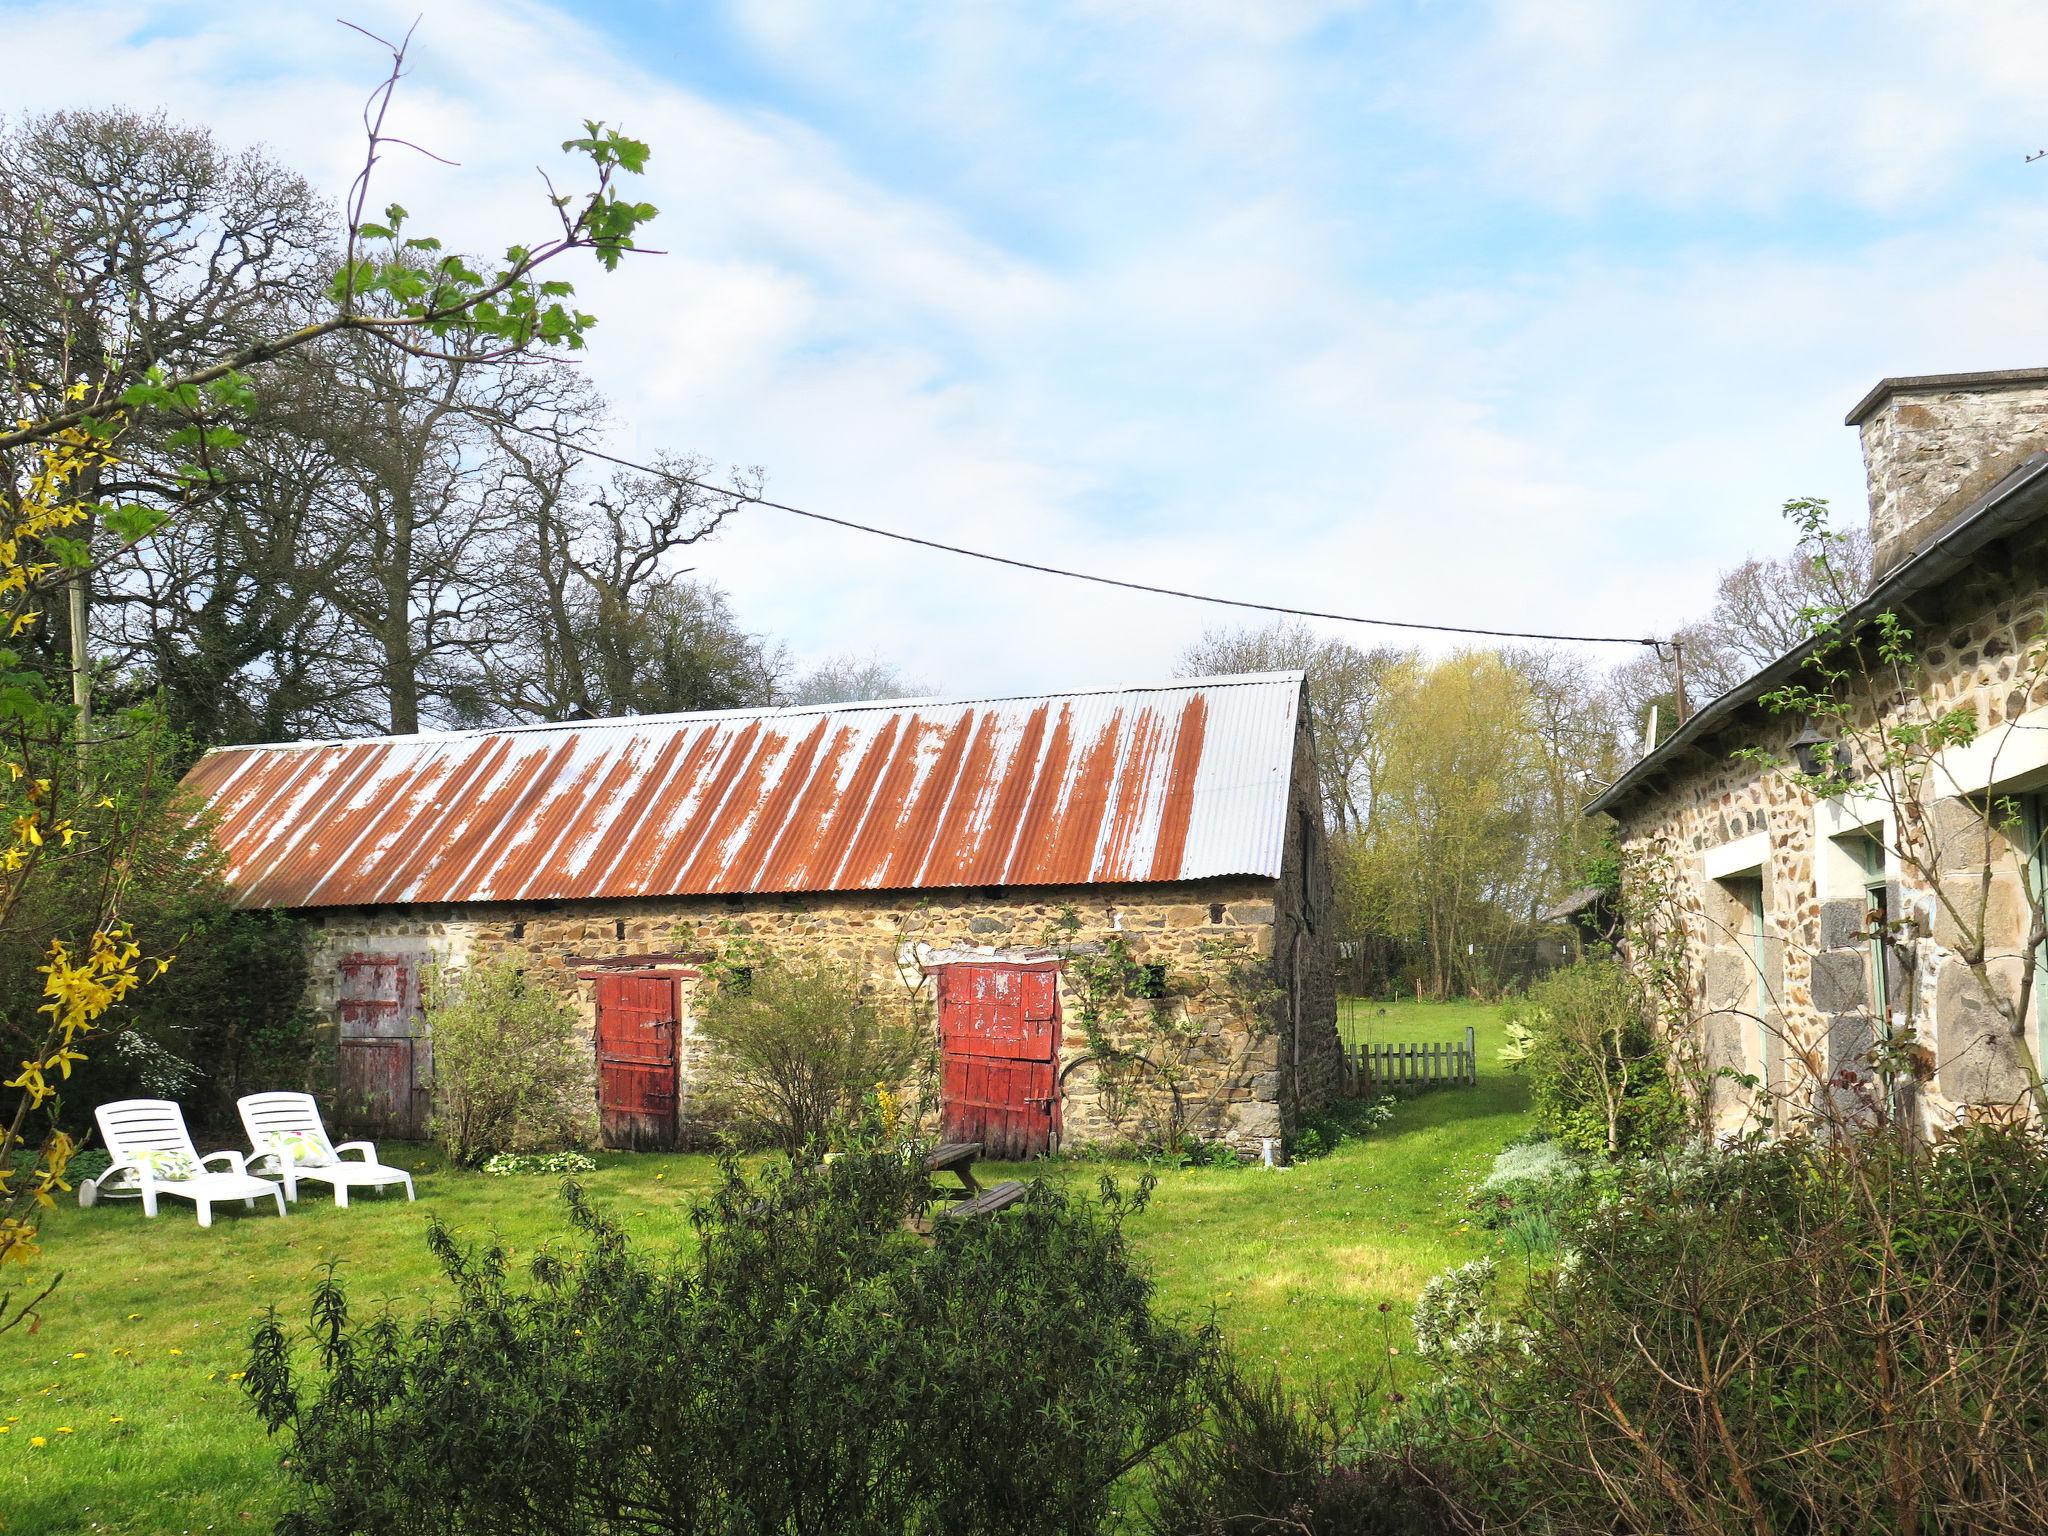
(1678,709)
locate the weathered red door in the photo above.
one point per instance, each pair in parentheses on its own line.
(999,1035)
(386,1061)
(637,1029)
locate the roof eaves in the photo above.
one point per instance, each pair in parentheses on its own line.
(2015,500)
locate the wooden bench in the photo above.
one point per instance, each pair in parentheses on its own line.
(956,1158)
(987,1203)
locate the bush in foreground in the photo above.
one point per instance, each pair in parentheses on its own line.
(817,1368)
(1813,1335)
(1267,1463)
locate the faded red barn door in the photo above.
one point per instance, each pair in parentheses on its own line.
(999,1035)
(386,1062)
(637,1027)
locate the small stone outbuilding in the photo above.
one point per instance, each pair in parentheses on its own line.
(970,857)
(1888,924)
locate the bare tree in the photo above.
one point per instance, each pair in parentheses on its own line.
(1762,609)
(1346,688)
(850,680)
(130,243)
(610,623)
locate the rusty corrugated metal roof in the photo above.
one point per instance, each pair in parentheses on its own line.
(1174,782)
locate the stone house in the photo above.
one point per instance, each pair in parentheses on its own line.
(1819,935)
(979,861)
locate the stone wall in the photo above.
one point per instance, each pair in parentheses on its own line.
(1805,1005)
(1254,1034)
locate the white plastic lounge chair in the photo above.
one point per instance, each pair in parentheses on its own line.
(154,1156)
(291,1144)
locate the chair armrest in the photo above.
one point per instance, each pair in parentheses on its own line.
(367,1148)
(236,1162)
(264,1164)
(142,1173)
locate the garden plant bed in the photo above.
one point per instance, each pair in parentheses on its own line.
(138,1354)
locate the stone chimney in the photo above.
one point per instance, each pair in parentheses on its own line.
(1933,444)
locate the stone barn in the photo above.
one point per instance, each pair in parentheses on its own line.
(1109,909)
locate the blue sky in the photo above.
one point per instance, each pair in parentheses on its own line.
(1521,314)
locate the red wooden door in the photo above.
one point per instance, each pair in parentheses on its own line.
(637,1029)
(999,1035)
(386,1062)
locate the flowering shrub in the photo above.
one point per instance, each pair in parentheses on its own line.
(1453,1318)
(1527,1190)
(505,1164)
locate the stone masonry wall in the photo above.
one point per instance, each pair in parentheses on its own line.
(1815,991)
(1241,1077)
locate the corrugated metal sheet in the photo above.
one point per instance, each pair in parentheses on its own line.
(1140,784)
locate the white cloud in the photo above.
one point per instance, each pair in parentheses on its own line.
(1213,393)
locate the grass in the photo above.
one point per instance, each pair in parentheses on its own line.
(137,1358)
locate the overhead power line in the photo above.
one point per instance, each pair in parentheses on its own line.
(1053,570)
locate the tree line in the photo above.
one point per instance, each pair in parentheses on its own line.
(1453,784)
(350,571)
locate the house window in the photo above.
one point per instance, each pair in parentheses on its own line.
(1748,891)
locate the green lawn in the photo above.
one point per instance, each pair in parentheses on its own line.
(138,1354)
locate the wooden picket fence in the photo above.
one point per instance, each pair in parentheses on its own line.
(1382,1067)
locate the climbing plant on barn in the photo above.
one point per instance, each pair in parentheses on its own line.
(1143,1039)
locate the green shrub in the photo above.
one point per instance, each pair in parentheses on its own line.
(1268,1463)
(1528,1189)
(817,1369)
(797,1046)
(1810,1335)
(1340,1121)
(1599,1078)
(509,1069)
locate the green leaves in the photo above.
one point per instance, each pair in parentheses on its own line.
(72,554)
(607,147)
(402,280)
(130,523)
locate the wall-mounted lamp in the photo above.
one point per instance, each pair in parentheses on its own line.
(1807,751)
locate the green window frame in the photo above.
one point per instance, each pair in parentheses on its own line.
(2034,824)
(1869,849)
(1749,891)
